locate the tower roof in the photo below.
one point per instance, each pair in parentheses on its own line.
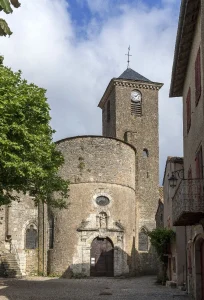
(130,74)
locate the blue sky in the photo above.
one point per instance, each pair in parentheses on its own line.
(81,13)
(74,47)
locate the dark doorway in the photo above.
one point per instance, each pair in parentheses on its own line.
(102,257)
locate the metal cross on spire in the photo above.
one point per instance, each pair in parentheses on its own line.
(128,55)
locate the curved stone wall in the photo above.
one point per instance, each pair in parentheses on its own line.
(95,166)
(98,159)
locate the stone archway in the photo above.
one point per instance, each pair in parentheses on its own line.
(199,267)
(102,257)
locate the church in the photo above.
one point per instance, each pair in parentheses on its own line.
(113,195)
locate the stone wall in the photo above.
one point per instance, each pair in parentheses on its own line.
(98,159)
(108,169)
(109,127)
(142,133)
(19,216)
(32,262)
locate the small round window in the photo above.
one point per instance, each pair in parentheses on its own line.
(102,200)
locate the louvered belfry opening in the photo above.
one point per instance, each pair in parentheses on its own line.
(136,108)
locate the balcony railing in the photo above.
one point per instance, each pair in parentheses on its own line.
(188,202)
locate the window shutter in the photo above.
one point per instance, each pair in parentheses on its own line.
(188,109)
(198,77)
(136,108)
(199,163)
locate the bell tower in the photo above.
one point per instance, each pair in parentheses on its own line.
(130,113)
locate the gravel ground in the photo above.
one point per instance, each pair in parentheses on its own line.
(140,288)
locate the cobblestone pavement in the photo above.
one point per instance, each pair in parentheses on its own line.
(141,288)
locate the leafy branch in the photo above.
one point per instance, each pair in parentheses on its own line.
(5,6)
(160,238)
(29,160)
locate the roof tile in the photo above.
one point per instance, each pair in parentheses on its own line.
(130,74)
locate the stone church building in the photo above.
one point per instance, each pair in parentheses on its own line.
(113,196)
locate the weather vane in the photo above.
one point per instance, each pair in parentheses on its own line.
(128,55)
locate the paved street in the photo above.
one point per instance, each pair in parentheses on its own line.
(142,288)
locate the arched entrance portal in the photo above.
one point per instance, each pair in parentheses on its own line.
(102,254)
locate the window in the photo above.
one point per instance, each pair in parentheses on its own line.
(51,231)
(197,78)
(126,137)
(143,241)
(136,108)
(145,153)
(31,238)
(199,163)
(108,111)
(188,110)
(102,200)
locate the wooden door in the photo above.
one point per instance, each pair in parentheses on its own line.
(101,257)
(202,268)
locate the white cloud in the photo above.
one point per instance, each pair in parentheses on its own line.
(75,72)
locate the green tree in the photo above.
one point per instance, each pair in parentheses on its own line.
(29,160)
(161,239)
(5,6)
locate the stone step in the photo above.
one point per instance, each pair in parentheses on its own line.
(9,261)
(10,267)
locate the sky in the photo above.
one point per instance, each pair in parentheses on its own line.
(73,48)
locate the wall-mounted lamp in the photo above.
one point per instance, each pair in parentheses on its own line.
(173,179)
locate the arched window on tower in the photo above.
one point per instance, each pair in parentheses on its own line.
(145,153)
(31,238)
(126,137)
(136,103)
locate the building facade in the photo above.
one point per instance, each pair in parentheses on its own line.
(113,190)
(187,82)
(176,271)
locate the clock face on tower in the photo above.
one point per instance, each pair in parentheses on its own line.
(136,96)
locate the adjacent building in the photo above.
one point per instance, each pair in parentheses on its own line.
(176,271)
(188,82)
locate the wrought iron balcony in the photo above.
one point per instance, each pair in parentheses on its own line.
(188,202)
